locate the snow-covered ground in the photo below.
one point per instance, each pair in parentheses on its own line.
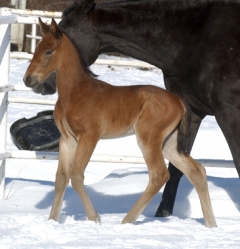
(114,188)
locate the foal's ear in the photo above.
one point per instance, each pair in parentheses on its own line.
(43,26)
(55,31)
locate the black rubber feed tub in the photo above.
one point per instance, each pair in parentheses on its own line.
(38,133)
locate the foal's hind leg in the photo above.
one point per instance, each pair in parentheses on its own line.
(170,190)
(158,175)
(196,174)
(66,157)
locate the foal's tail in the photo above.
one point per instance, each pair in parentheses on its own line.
(183,139)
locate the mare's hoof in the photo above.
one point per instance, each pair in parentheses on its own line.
(162,213)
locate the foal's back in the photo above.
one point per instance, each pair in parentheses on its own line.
(116,110)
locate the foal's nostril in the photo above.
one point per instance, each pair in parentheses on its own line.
(27,80)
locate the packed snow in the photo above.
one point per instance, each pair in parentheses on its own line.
(114,188)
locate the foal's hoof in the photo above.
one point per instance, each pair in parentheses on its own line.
(128,220)
(53,218)
(98,220)
(213,224)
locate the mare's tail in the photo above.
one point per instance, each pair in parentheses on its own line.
(183,139)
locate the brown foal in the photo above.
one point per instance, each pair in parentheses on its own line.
(88,110)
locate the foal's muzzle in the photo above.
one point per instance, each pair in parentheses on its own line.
(48,86)
(30,81)
(27,81)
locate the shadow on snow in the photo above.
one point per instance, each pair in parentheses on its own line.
(105,203)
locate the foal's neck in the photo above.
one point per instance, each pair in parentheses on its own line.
(71,67)
(71,74)
(72,60)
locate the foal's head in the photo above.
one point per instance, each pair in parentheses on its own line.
(41,73)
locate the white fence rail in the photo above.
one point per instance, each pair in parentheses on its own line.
(6,19)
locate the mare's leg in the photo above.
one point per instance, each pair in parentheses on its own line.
(85,148)
(158,173)
(228,118)
(66,156)
(196,174)
(165,208)
(170,191)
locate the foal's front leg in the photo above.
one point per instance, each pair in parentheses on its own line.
(67,150)
(85,148)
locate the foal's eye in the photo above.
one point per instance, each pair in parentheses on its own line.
(49,52)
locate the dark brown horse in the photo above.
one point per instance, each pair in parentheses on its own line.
(88,109)
(195,43)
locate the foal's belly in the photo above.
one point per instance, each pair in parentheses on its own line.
(118,133)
